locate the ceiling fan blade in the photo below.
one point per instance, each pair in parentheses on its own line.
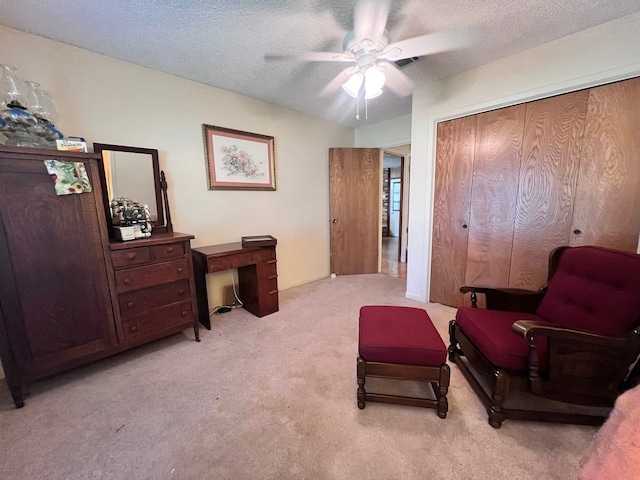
(396,80)
(337,81)
(430,43)
(370,19)
(312,57)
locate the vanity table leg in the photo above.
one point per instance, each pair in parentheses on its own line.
(199,276)
(196,331)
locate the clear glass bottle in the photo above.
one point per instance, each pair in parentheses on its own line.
(11,88)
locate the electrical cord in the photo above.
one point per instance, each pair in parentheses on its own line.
(227,308)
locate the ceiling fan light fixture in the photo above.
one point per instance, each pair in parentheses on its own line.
(373,80)
(353,85)
(369,94)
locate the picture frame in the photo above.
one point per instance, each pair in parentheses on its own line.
(238,160)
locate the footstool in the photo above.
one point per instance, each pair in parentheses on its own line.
(401,343)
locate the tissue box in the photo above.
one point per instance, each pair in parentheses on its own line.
(125,233)
(71,146)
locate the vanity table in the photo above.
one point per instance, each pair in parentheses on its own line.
(70,294)
(257,275)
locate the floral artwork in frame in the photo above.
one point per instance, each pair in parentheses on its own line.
(239,160)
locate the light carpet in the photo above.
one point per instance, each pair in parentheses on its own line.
(268,398)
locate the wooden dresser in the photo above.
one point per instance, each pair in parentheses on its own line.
(69,295)
(154,286)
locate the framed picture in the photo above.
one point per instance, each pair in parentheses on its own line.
(239,160)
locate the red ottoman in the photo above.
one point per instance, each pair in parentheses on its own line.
(401,343)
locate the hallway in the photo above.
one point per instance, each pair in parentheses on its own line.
(390,265)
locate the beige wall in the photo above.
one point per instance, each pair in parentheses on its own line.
(602,54)
(390,133)
(110,101)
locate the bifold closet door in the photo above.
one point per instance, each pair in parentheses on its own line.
(494,193)
(454,165)
(607,201)
(553,134)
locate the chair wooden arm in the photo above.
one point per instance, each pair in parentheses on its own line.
(509,299)
(578,362)
(526,328)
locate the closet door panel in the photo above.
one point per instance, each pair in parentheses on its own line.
(550,161)
(607,205)
(494,194)
(454,165)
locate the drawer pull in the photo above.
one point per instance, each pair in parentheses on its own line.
(181,291)
(179,269)
(130,304)
(126,281)
(132,255)
(169,249)
(273,291)
(272,261)
(134,328)
(273,276)
(184,313)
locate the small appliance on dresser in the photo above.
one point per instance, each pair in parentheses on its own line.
(70,294)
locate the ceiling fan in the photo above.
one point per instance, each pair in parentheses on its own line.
(366,46)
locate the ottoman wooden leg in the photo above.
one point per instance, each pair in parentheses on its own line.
(362,393)
(443,388)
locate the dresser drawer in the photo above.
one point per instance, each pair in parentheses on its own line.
(157,320)
(139,301)
(130,257)
(151,275)
(168,252)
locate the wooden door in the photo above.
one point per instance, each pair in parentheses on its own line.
(401,213)
(607,203)
(494,193)
(454,166)
(355,201)
(55,294)
(550,160)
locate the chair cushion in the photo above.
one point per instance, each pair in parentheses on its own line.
(490,331)
(403,335)
(595,289)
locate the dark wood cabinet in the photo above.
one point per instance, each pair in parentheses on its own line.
(63,283)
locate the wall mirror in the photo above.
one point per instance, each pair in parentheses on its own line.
(134,173)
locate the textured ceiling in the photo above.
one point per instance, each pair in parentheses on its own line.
(223,43)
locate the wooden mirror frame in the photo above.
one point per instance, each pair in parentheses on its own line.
(159,225)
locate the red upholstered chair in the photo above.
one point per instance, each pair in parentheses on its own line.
(573,342)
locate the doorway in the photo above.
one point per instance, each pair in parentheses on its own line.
(394,215)
(356,212)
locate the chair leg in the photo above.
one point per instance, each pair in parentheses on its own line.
(362,393)
(500,389)
(443,388)
(453,343)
